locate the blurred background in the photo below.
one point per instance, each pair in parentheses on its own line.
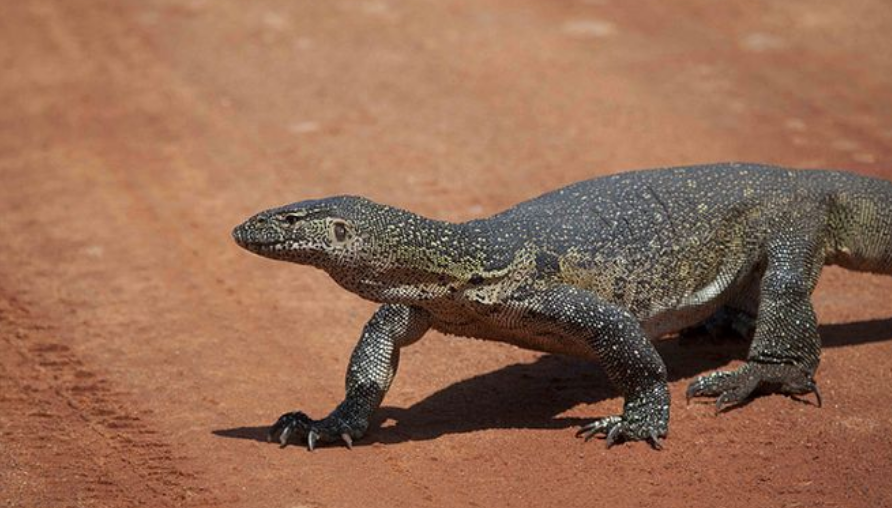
(143,353)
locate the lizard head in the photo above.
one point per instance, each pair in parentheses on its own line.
(321,232)
(379,252)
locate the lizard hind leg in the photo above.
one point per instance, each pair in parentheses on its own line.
(785,351)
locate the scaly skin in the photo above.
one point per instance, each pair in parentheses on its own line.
(596,270)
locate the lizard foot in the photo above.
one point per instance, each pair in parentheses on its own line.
(732,388)
(645,418)
(298,424)
(726,324)
(618,430)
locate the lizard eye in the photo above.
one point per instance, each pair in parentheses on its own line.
(340,231)
(339,228)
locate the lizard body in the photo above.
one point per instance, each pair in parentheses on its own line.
(597,269)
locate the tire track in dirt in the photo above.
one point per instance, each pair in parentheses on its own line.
(70,436)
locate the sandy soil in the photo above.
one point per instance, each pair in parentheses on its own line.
(142,353)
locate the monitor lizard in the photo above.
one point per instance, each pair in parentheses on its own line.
(598,270)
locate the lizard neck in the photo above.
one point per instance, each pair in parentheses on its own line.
(411,259)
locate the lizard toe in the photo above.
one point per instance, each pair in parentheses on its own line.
(599,426)
(296,423)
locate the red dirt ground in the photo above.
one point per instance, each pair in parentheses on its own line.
(143,353)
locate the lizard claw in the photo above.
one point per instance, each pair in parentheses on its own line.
(655,441)
(728,399)
(315,432)
(618,431)
(817,392)
(813,388)
(283,437)
(613,435)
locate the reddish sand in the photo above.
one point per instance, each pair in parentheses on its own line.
(142,353)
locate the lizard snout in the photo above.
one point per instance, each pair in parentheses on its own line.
(238,234)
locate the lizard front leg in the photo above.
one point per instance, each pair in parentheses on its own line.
(372,368)
(630,360)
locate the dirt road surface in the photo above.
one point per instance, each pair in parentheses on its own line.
(142,353)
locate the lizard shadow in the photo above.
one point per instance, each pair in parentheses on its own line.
(535,395)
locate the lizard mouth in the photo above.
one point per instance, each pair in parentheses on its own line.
(268,247)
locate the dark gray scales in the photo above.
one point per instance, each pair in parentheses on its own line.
(597,269)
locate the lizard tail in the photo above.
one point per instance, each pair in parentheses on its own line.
(861,225)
